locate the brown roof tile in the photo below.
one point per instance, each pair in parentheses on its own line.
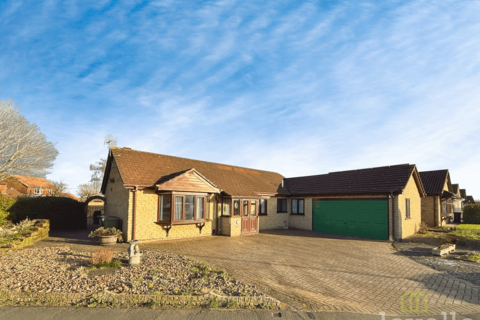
(33,182)
(380,180)
(148,169)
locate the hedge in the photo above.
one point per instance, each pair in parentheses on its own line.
(471,214)
(63,213)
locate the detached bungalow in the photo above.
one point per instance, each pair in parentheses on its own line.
(164,197)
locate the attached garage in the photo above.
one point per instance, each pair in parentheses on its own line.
(360,218)
(376,203)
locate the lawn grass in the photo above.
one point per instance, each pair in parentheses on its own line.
(474,257)
(468,234)
(469,226)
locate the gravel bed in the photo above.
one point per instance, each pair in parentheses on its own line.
(64,270)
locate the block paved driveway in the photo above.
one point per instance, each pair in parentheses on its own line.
(309,270)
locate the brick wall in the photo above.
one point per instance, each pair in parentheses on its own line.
(117,201)
(273,220)
(409,226)
(430,207)
(302,221)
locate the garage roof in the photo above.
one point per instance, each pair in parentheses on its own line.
(380,180)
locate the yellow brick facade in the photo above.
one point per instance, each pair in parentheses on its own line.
(409,226)
(431,209)
(231,226)
(117,204)
(273,220)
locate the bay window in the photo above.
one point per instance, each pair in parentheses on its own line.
(179,208)
(165,207)
(200,208)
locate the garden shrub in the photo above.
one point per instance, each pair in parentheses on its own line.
(6,203)
(471,214)
(63,213)
(103,255)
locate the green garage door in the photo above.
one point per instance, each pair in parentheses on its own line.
(360,218)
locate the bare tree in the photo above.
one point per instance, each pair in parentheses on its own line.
(98,170)
(86,190)
(24,149)
(59,188)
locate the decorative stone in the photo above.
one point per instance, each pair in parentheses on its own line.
(134,253)
(443,249)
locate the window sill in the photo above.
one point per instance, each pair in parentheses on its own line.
(297,214)
(263,214)
(282,211)
(165,223)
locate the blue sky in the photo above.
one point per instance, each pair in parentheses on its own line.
(296,87)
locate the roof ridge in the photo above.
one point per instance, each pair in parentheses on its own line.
(216,163)
(353,170)
(433,171)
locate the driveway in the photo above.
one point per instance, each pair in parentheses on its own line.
(314,271)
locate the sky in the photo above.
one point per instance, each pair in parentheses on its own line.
(295,87)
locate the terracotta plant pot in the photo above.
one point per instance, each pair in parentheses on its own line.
(107,240)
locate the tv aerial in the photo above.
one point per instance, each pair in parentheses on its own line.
(110,141)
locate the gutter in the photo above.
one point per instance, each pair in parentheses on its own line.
(393,216)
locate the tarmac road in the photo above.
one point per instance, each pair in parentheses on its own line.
(55,313)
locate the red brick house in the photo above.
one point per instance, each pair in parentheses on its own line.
(31,186)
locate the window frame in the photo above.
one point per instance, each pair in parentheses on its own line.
(229,202)
(279,208)
(37,190)
(260,207)
(407,209)
(239,208)
(160,207)
(172,219)
(298,213)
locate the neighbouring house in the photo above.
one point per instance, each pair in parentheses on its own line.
(466,199)
(469,200)
(8,191)
(16,186)
(165,197)
(437,207)
(31,186)
(458,204)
